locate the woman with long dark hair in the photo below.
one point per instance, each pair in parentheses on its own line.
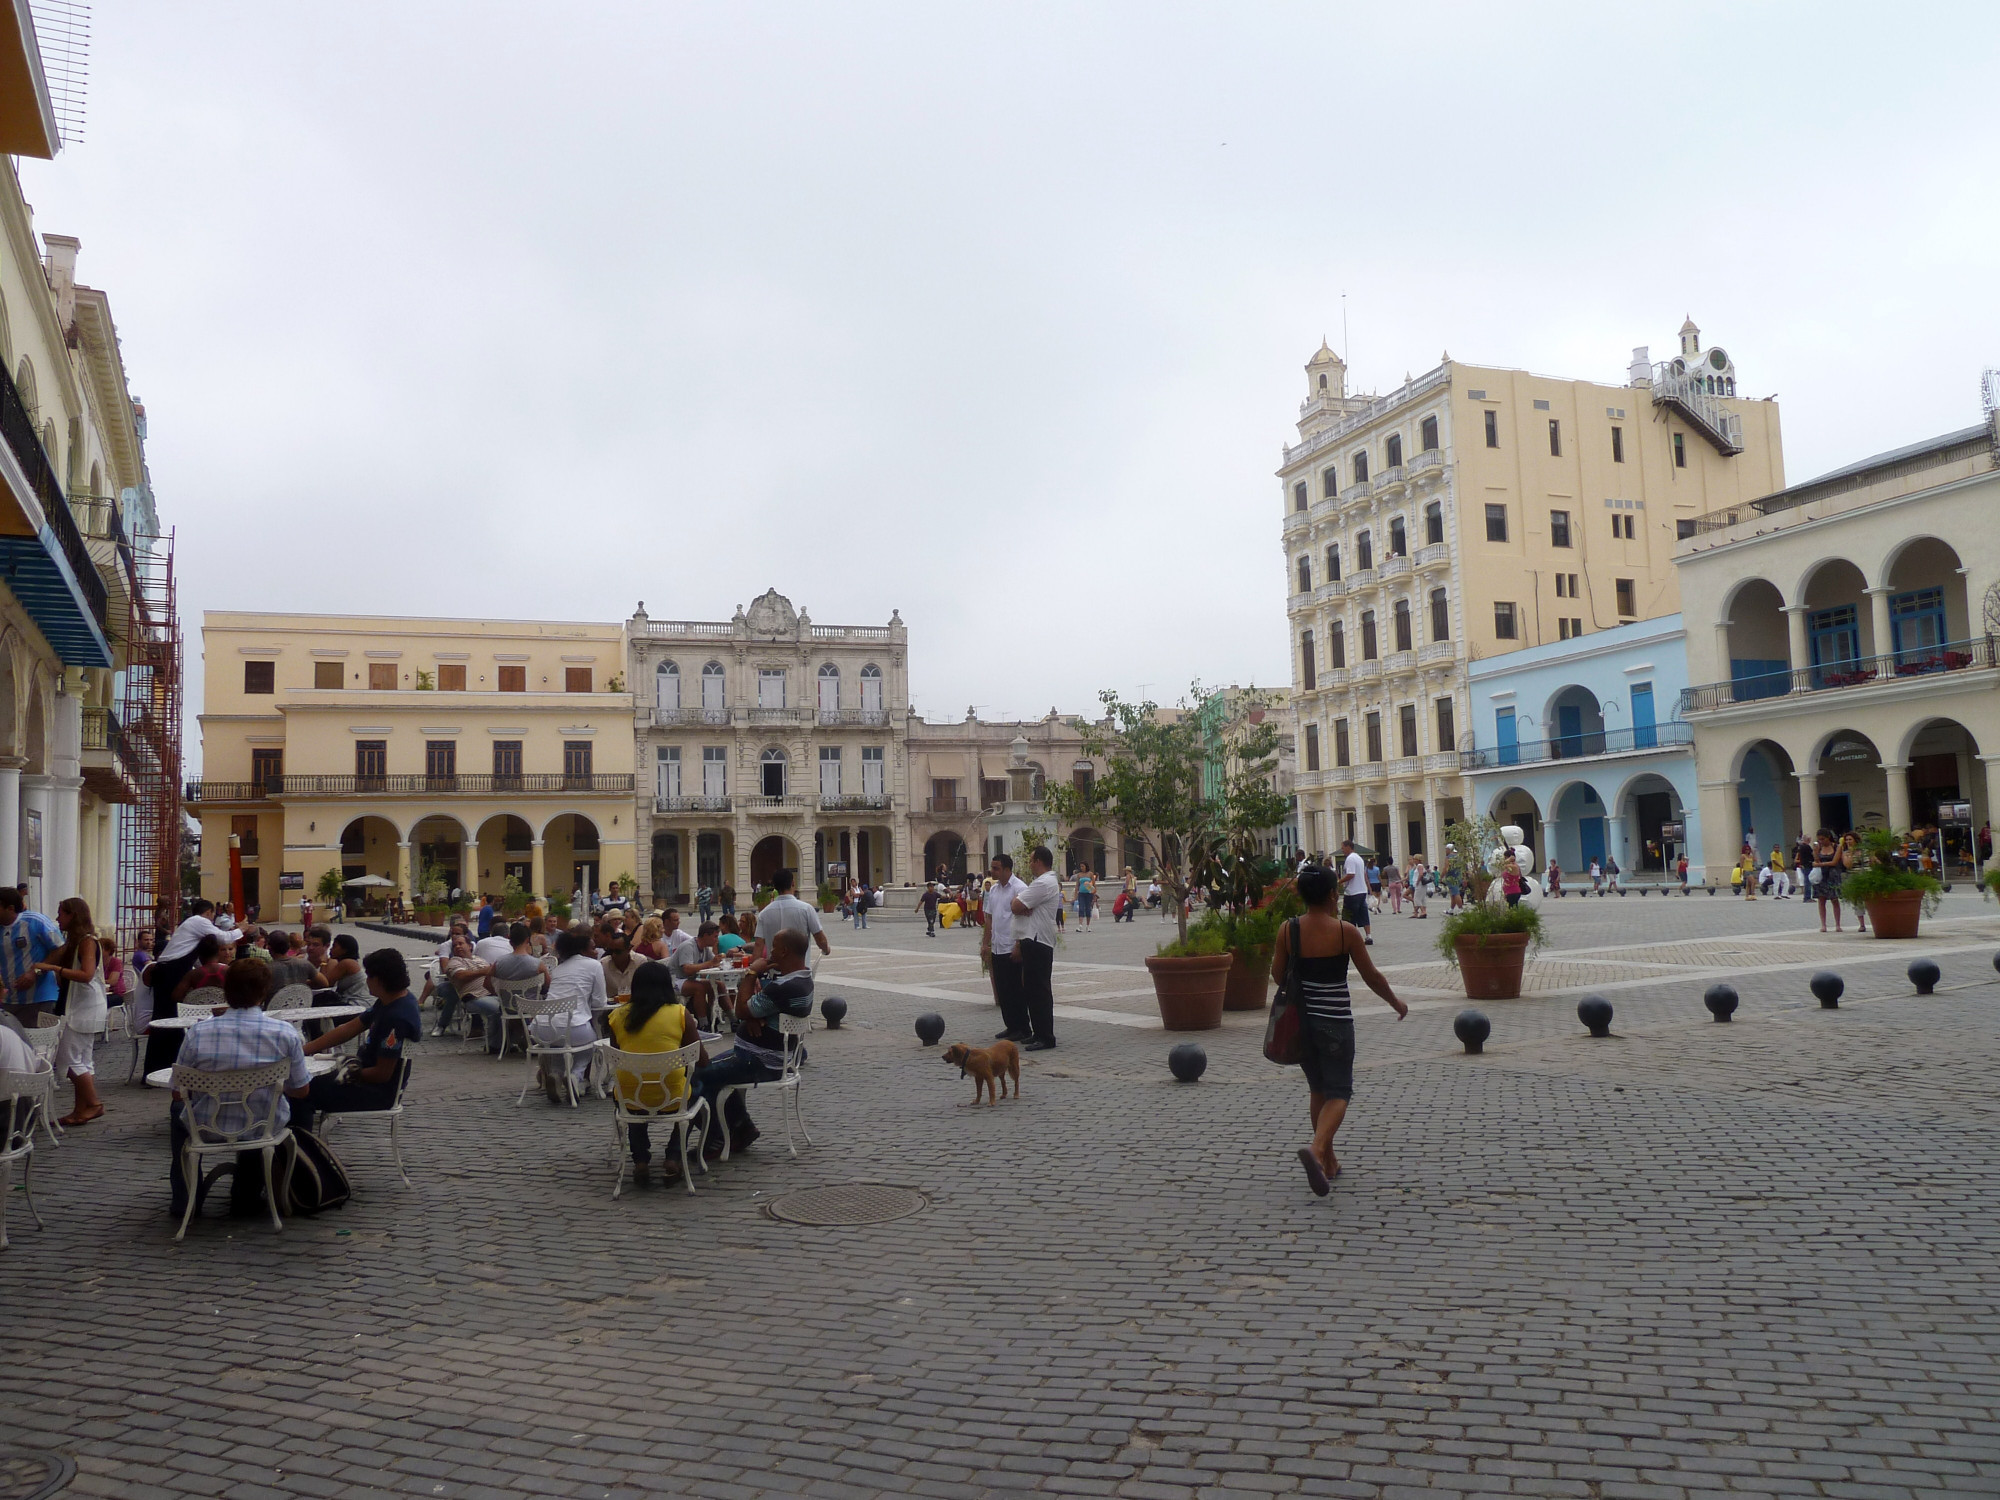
(1320,945)
(652,1020)
(75,965)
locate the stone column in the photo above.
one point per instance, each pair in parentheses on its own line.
(469,877)
(538,874)
(1721,829)
(1980,815)
(1548,850)
(1899,789)
(1433,830)
(1795,634)
(60,834)
(1878,612)
(37,794)
(10,820)
(1808,802)
(404,876)
(1724,673)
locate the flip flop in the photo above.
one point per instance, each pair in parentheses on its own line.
(1315,1173)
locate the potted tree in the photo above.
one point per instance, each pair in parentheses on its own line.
(1153,790)
(513,898)
(330,887)
(1897,898)
(432,900)
(1487,941)
(829,895)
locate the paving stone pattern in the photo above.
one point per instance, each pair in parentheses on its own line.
(1687,1258)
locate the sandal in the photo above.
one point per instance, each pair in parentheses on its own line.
(1315,1173)
(77,1117)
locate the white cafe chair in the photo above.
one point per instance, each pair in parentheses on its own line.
(653,1105)
(25,1098)
(260,1131)
(45,1037)
(291,997)
(794,1030)
(512,994)
(564,1048)
(200,1002)
(393,1114)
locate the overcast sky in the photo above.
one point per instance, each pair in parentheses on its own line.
(994,316)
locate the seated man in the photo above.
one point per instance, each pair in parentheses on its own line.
(288,965)
(241,1037)
(465,982)
(391,1023)
(518,964)
(785,986)
(695,957)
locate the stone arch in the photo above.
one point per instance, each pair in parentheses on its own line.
(1760,653)
(1928,605)
(10,696)
(945,848)
(1573,722)
(1084,848)
(1643,804)
(1840,624)
(770,854)
(1766,792)
(769,785)
(1848,764)
(368,846)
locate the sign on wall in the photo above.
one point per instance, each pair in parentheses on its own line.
(291,880)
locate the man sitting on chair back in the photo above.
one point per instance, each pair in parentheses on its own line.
(785,987)
(390,1023)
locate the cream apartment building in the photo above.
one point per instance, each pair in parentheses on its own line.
(767,741)
(1473,511)
(378,746)
(1841,647)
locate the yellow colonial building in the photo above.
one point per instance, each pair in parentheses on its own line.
(379,746)
(1474,511)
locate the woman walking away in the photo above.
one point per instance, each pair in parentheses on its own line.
(1323,945)
(75,965)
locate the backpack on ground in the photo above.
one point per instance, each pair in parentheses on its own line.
(317,1180)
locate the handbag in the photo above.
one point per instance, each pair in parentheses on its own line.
(1284,1033)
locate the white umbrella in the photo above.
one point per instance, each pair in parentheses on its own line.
(368,880)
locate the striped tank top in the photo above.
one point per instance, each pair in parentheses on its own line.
(1322,984)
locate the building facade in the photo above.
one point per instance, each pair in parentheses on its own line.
(1471,512)
(1226,712)
(767,742)
(1841,643)
(70,559)
(1579,742)
(384,747)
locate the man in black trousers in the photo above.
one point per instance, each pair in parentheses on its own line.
(1003,956)
(1035,940)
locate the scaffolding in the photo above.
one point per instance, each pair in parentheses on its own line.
(149,839)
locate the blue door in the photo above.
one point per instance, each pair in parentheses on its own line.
(1590,834)
(1510,744)
(1645,734)
(1569,729)
(1836,646)
(1916,620)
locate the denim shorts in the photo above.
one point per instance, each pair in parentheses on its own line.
(1329,1059)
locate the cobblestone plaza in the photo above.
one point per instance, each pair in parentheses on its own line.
(1756,1258)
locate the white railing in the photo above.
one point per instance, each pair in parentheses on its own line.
(1686,389)
(1361,489)
(667,629)
(1360,578)
(1390,477)
(690,804)
(1429,459)
(1330,590)
(1333,677)
(1435,651)
(1405,765)
(1446,761)
(1368,671)
(851,633)
(1394,567)
(1296,521)
(1435,553)
(1399,661)
(1339,776)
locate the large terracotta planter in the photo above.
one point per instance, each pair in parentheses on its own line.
(1190,990)
(1249,982)
(1491,965)
(1895,915)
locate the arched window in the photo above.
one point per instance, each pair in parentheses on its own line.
(24,384)
(773,769)
(1433,523)
(1322,382)
(1440,616)
(1361,467)
(1364,552)
(667,687)
(1333,563)
(829,689)
(1305,575)
(1308,672)
(1392,454)
(1336,646)
(712,696)
(1402,620)
(871,689)
(1399,540)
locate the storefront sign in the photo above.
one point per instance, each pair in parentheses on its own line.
(291,880)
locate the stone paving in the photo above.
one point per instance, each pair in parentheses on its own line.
(1687,1258)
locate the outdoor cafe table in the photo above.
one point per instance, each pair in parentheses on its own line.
(720,982)
(163,1078)
(304,1013)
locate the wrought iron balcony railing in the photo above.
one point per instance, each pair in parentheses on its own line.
(405,786)
(1854,673)
(1577,746)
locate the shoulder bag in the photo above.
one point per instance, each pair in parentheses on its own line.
(1284,1033)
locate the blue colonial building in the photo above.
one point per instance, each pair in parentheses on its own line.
(1579,742)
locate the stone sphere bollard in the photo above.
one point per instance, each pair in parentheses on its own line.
(1187,1062)
(1595,1012)
(1472,1028)
(1924,975)
(930,1026)
(1828,987)
(834,1010)
(1721,1001)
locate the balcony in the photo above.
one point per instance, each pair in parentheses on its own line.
(1430,461)
(674,630)
(1642,740)
(854,802)
(1333,678)
(1432,651)
(1690,395)
(1296,521)
(1338,775)
(1305,781)
(1860,674)
(408,786)
(833,718)
(1368,671)
(1405,765)
(47,565)
(1390,482)
(945,805)
(788,803)
(780,715)
(1394,567)
(667,806)
(107,758)
(1331,590)
(1444,761)
(1436,555)
(102,523)
(665,718)
(1399,661)
(1360,490)
(1359,579)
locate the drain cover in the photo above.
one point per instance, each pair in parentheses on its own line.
(32,1476)
(848,1203)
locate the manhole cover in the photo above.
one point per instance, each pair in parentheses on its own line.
(848,1203)
(32,1476)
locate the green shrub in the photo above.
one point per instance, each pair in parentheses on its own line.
(1881,876)
(762,897)
(1206,939)
(1484,918)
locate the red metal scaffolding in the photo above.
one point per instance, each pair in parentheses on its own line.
(149,841)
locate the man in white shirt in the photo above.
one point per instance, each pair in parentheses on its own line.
(1003,959)
(1354,888)
(1035,937)
(786,910)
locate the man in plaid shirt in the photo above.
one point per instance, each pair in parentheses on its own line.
(242,1037)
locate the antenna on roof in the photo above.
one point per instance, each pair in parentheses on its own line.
(1344,350)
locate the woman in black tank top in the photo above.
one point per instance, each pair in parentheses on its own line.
(1317,948)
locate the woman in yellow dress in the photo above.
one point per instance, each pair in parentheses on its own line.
(652,1020)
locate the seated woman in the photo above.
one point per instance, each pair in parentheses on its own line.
(391,1024)
(727,939)
(651,1021)
(650,942)
(211,964)
(578,981)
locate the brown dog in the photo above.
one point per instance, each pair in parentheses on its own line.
(990,1067)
